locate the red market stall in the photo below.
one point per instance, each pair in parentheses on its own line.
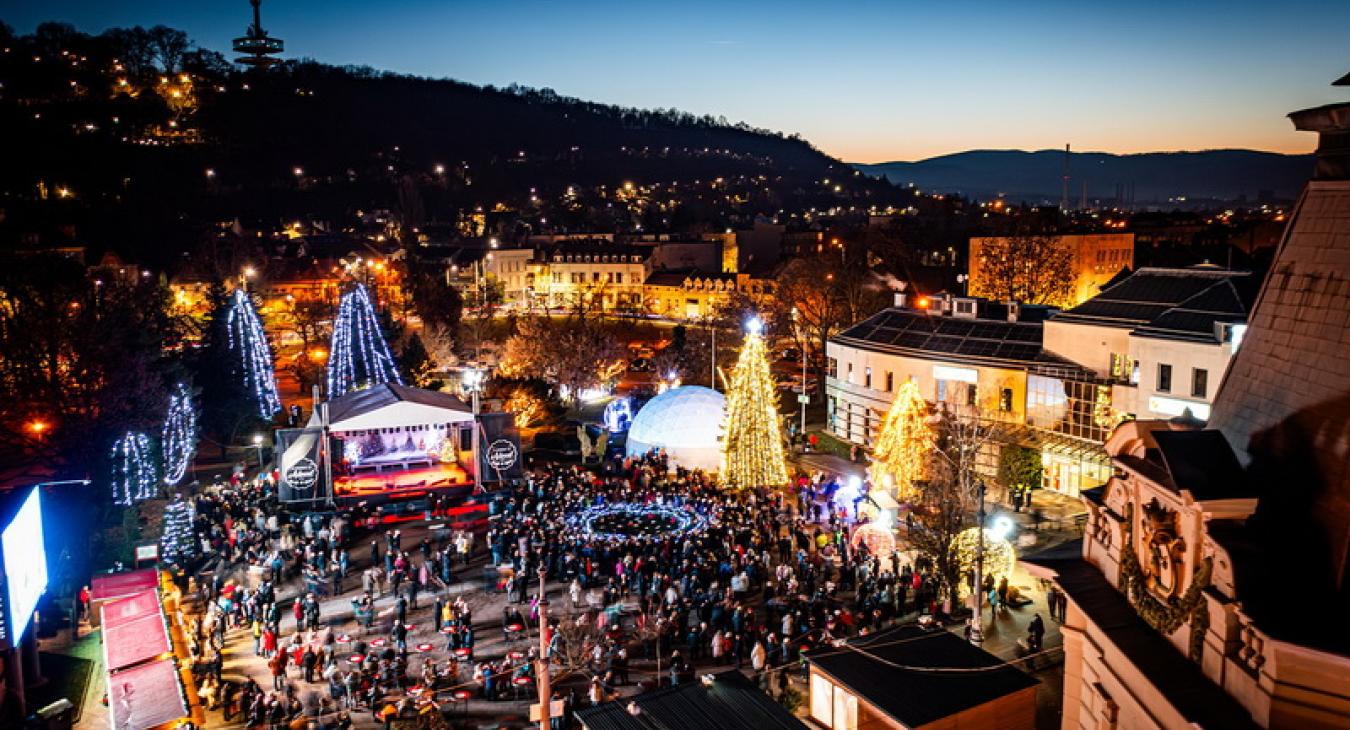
(146,697)
(116,586)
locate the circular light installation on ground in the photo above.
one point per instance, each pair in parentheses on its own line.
(623,520)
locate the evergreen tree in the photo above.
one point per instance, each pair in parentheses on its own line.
(900,457)
(359,356)
(752,442)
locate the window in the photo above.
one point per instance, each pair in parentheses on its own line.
(618,278)
(1164,378)
(1005,400)
(972,394)
(867,378)
(833,367)
(557,277)
(1199,382)
(832,706)
(890,381)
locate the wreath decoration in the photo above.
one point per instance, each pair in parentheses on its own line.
(1165,616)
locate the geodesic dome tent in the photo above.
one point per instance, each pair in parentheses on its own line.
(686,422)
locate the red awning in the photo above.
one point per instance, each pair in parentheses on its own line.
(121,585)
(146,697)
(133,642)
(127,610)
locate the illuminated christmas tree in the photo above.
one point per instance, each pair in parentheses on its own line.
(900,456)
(178,543)
(359,356)
(178,439)
(249,341)
(132,474)
(752,441)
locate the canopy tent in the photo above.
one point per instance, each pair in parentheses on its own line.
(135,641)
(390,405)
(148,696)
(123,585)
(127,610)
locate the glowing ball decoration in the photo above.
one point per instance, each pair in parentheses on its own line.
(999,556)
(878,539)
(683,421)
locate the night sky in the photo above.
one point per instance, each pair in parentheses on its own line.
(865,81)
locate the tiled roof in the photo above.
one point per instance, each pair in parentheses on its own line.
(899,672)
(677,277)
(730,702)
(973,341)
(1173,303)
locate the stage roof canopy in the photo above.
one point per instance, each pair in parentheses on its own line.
(393,406)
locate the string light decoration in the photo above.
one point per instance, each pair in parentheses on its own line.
(359,356)
(178,438)
(255,354)
(133,469)
(178,543)
(752,447)
(900,457)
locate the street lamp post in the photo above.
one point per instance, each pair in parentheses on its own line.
(258,444)
(976,632)
(473,382)
(545,690)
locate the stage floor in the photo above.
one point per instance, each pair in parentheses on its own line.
(403,482)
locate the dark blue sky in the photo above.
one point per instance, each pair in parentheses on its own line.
(866,81)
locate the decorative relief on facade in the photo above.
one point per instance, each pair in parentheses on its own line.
(1153,583)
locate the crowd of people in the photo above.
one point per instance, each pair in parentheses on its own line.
(752,579)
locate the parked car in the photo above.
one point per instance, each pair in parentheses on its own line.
(640,365)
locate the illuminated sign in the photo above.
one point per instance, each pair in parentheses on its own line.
(1176,407)
(303,474)
(961,375)
(25,560)
(502,454)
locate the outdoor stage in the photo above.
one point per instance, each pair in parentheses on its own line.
(401,483)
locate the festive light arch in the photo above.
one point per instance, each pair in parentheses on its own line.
(133,469)
(248,339)
(752,445)
(359,357)
(178,438)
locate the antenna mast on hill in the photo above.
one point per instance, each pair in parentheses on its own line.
(1064,196)
(257,47)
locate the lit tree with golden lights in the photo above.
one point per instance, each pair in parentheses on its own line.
(901,455)
(752,441)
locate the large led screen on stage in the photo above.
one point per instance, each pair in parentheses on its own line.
(25,563)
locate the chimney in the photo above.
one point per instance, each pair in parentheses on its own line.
(1014,311)
(899,300)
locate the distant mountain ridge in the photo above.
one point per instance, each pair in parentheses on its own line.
(1145,178)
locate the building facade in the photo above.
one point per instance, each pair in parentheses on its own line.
(966,353)
(1162,337)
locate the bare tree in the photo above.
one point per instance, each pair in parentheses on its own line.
(1032,269)
(946,503)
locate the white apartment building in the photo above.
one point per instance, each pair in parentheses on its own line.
(1163,337)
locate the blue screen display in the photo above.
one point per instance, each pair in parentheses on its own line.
(25,563)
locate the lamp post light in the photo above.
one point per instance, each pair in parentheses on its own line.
(976,632)
(541,671)
(473,382)
(258,444)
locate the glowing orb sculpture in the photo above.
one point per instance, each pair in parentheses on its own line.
(683,421)
(999,556)
(877,538)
